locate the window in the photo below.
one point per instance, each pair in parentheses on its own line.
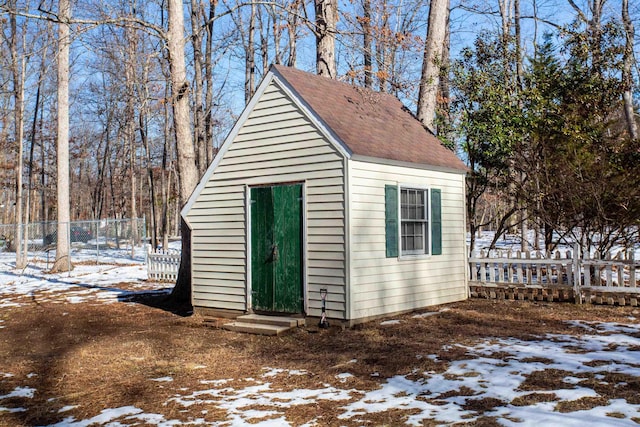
(414,228)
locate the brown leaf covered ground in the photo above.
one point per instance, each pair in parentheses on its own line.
(81,359)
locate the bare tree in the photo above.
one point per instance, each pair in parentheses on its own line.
(62,262)
(326,19)
(186,163)
(627,78)
(198,107)
(250,57)
(431,62)
(524,216)
(383,46)
(18,65)
(367,43)
(34,132)
(208,78)
(247,38)
(292,30)
(131,73)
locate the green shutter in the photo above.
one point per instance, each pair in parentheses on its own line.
(391,219)
(436,222)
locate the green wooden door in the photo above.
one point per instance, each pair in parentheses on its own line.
(276,248)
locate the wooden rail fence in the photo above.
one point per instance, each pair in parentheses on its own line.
(559,276)
(163,265)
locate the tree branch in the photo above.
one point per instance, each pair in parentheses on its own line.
(119,20)
(578,10)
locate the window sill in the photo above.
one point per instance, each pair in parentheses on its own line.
(413,257)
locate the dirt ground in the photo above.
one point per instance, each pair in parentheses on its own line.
(103,355)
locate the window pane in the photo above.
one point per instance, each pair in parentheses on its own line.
(404,236)
(404,210)
(419,237)
(426,238)
(413,221)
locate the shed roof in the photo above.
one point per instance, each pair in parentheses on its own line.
(368,123)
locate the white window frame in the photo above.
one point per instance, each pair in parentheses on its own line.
(426,222)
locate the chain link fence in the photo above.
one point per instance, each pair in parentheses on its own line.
(97,241)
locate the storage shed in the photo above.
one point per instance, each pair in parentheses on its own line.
(324,186)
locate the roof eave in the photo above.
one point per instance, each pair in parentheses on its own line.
(391,162)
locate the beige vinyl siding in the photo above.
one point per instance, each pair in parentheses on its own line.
(276,144)
(381,285)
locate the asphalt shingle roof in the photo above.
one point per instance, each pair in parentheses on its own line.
(369,123)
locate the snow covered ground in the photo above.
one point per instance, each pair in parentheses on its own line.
(87,281)
(495,372)
(486,377)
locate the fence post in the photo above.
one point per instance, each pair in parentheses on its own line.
(97,242)
(147,259)
(69,247)
(577,292)
(144,227)
(632,269)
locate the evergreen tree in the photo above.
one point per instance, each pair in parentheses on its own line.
(580,162)
(489,123)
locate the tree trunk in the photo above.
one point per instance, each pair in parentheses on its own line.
(131,74)
(185,154)
(443,97)
(152,183)
(431,62)
(326,18)
(292,26)
(43,177)
(21,234)
(18,68)
(63,262)
(627,77)
(198,111)
(506,11)
(518,42)
(165,177)
(524,230)
(99,194)
(367,43)
(264,41)
(250,60)
(596,28)
(31,155)
(208,77)
(382,47)
(275,27)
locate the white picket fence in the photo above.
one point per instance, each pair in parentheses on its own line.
(162,265)
(588,277)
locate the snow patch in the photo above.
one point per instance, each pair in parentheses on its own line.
(162,379)
(26,392)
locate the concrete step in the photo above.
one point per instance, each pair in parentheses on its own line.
(290,322)
(255,328)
